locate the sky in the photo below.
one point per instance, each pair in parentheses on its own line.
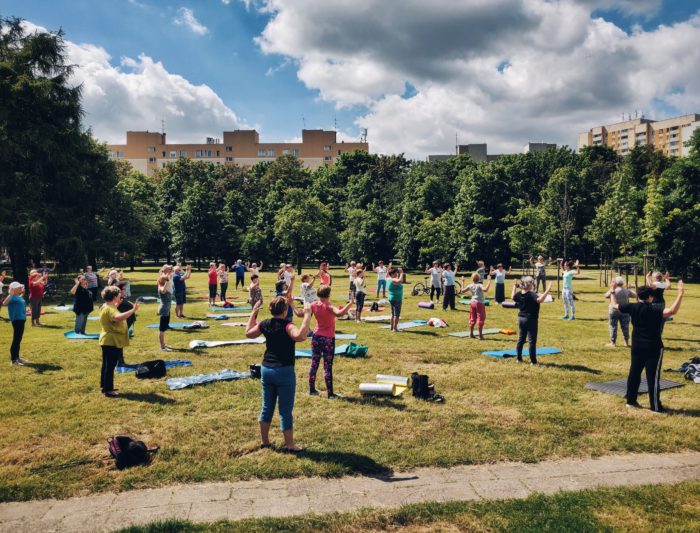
(419,76)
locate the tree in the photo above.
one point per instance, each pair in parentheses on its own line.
(303,226)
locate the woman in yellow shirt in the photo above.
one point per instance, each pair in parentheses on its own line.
(113,337)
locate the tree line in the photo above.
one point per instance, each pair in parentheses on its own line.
(63,198)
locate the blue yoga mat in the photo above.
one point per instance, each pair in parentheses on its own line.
(173,325)
(232,309)
(72,335)
(168,364)
(339,350)
(203,379)
(513,353)
(408,325)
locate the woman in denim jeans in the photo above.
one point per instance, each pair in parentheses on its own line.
(277,371)
(82,305)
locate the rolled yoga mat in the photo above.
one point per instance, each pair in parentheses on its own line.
(508,305)
(72,335)
(378,389)
(513,353)
(394,380)
(426,305)
(487,302)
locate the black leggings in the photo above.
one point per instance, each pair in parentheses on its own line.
(649,359)
(541,278)
(17,334)
(110,358)
(527,328)
(224,288)
(359,301)
(449,297)
(239,279)
(434,290)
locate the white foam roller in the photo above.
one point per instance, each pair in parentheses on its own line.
(394,380)
(377,389)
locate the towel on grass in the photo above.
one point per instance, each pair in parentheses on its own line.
(203,379)
(168,364)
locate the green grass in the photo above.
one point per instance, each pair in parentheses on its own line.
(649,508)
(55,422)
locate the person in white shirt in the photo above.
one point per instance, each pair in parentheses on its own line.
(351,270)
(381,271)
(360,293)
(435,280)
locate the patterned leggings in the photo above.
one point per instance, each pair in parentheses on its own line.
(568,297)
(322,347)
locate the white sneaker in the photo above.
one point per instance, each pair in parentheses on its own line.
(166,349)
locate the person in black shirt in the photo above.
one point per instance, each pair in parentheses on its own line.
(528,303)
(277,370)
(647,347)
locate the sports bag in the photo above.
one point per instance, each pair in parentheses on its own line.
(357,350)
(151,369)
(420,386)
(374,307)
(128,452)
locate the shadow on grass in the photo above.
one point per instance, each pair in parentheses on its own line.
(695,413)
(572,368)
(51,326)
(427,333)
(591,319)
(680,340)
(375,401)
(40,368)
(149,397)
(353,463)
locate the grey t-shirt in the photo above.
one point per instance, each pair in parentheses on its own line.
(477,290)
(622,295)
(166,300)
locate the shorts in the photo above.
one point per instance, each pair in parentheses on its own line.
(396,308)
(164,323)
(180,298)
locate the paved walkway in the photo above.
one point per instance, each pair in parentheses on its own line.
(215,501)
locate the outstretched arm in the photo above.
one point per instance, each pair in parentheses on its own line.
(670,311)
(542,297)
(252,329)
(488,284)
(299,334)
(340,311)
(512,292)
(578,268)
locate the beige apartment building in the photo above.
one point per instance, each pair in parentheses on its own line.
(666,135)
(148,151)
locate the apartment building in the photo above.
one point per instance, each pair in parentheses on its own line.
(148,151)
(479,152)
(667,135)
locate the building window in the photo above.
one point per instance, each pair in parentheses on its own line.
(327,148)
(218,153)
(338,152)
(151,159)
(295,152)
(261,152)
(110,154)
(208,153)
(183,153)
(152,149)
(120,154)
(229,159)
(198,153)
(173,154)
(229,148)
(163,153)
(163,165)
(328,158)
(271,152)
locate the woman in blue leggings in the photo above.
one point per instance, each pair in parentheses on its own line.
(277,372)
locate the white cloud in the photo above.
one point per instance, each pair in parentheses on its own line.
(185,17)
(562,69)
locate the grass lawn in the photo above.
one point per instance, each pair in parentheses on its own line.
(55,421)
(650,508)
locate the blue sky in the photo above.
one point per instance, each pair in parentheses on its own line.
(416,77)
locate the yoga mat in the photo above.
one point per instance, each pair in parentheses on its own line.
(226,316)
(394,380)
(513,353)
(168,364)
(203,379)
(93,318)
(63,307)
(173,325)
(378,389)
(426,305)
(339,350)
(346,336)
(487,302)
(235,324)
(618,387)
(196,344)
(228,309)
(146,299)
(72,335)
(378,318)
(462,334)
(408,325)
(508,305)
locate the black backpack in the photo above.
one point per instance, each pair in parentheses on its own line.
(129,452)
(151,369)
(419,383)
(374,307)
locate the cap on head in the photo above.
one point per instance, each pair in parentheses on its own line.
(15,285)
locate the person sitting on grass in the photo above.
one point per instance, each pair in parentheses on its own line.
(622,294)
(277,370)
(82,304)
(323,340)
(114,336)
(567,294)
(477,307)
(647,346)
(395,296)
(528,303)
(17,311)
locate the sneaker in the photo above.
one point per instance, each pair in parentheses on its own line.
(22,361)
(313,392)
(565,317)
(659,410)
(166,349)
(111,394)
(17,362)
(634,405)
(572,318)
(334,396)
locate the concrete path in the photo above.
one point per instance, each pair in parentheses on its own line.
(214,501)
